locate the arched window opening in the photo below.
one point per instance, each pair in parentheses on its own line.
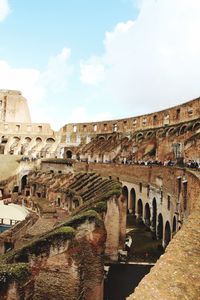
(38,140)
(139,137)
(167,234)
(160,227)
(171,131)
(196,126)
(69,154)
(132,201)
(23,182)
(125,195)
(27,139)
(50,140)
(174,225)
(149,134)
(140,209)
(154,216)
(147,215)
(115,128)
(183,129)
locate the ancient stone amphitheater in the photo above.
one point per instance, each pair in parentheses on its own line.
(85,187)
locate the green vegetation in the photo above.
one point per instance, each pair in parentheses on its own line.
(90,215)
(41,245)
(14,272)
(100,207)
(65,231)
(116,190)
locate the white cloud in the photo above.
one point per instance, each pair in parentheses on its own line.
(24,79)
(58,71)
(36,85)
(4,9)
(92,71)
(153,62)
(80,114)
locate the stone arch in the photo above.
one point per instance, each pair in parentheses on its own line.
(196,126)
(25,144)
(4,139)
(14,145)
(69,154)
(27,139)
(167,237)
(38,140)
(50,140)
(139,136)
(23,182)
(160,227)
(132,200)
(183,129)
(125,195)
(161,132)
(174,225)
(139,209)
(101,138)
(16,139)
(171,131)
(147,214)
(154,215)
(149,134)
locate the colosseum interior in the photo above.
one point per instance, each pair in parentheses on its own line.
(91,187)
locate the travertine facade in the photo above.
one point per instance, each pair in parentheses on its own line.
(167,134)
(13,107)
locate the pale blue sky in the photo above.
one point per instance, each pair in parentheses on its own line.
(81,60)
(40,28)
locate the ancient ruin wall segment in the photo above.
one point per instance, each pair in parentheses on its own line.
(13,107)
(178,114)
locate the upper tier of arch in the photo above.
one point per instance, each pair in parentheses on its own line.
(170,116)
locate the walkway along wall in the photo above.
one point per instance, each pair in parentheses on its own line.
(176,274)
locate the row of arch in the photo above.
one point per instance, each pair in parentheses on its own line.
(24,145)
(29,139)
(150,217)
(168,132)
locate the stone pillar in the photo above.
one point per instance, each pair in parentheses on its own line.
(112,229)
(122,203)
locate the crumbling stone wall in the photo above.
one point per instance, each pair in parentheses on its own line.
(66,263)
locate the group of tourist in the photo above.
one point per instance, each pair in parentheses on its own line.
(167,163)
(192,164)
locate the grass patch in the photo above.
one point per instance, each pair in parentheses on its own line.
(15,272)
(41,245)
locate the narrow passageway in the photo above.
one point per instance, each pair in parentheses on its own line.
(122,280)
